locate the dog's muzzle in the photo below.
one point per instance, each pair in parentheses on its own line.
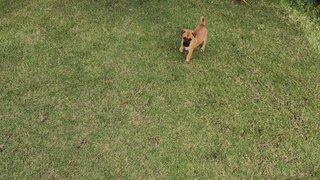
(186,42)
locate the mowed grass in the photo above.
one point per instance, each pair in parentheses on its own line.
(98,90)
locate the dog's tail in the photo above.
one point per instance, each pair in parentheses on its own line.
(202,21)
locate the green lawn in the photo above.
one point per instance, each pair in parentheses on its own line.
(97,89)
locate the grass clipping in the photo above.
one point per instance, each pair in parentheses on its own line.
(310,28)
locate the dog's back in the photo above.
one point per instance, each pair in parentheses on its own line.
(201,30)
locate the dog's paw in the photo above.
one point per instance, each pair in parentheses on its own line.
(187,62)
(181,50)
(201,50)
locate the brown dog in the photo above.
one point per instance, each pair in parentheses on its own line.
(193,38)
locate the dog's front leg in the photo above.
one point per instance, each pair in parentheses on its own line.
(189,55)
(181,46)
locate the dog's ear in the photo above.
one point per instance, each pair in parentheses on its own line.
(194,34)
(183,31)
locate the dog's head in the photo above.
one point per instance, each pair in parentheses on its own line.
(187,36)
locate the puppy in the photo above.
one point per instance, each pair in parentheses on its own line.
(193,38)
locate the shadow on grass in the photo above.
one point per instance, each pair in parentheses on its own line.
(8,6)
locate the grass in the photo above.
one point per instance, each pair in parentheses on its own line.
(306,16)
(97,89)
(310,9)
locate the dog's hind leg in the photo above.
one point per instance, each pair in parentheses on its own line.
(203,45)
